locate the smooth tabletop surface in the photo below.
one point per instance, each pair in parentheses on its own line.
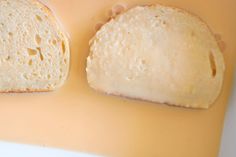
(80,119)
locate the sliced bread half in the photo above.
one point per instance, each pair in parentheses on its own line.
(157,53)
(34,50)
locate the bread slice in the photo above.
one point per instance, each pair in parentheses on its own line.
(157,53)
(34,50)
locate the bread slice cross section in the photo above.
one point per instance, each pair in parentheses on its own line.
(159,54)
(34,49)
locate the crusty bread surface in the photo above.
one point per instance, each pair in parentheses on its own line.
(157,53)
(34,49)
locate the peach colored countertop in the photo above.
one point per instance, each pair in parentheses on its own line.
(77,118)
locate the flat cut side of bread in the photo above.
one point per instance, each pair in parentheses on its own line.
(34,50)
(157,53)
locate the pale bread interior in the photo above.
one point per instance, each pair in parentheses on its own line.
(34,51)
(159,54)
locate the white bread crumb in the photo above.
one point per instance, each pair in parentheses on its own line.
(159,54)
(34,51)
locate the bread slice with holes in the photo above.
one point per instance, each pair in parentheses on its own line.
(34,50)
(159,54)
